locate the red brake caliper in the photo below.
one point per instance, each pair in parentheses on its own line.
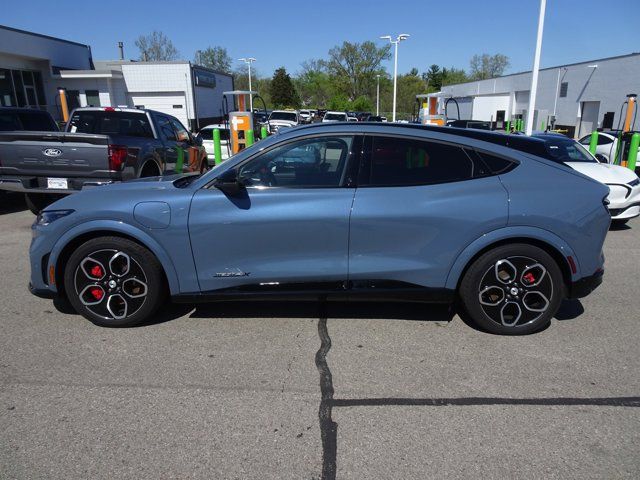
(97,293)
(96,271)
(529,278)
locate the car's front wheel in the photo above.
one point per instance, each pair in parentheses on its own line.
(114,282)
(512,289)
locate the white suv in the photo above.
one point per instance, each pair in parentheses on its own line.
(335,117)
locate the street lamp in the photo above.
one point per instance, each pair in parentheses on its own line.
(401,37)
(249,61)
(378,96)
(534,70)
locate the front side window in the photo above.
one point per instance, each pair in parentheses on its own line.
(166,130)
(316,162)
(401,161)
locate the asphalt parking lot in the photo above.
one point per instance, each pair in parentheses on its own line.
(312,391)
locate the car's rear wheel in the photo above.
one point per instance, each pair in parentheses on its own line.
(114,282)
(512,289)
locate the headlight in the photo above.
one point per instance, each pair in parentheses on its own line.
(47,216)
(635,182)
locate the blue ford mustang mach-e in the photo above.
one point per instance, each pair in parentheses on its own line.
(351,211)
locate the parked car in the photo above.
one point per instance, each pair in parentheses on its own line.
(624,185)
(305,116)
(374,118)
(283,118)
(335,117)
(206,135)
(443,217)
(26,119)
(100,146)
(362,116)
(479,124)
(607,144)
(352,119)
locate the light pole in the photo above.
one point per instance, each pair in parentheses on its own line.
(249,61)
(378,96)
(401,37)
(536,67)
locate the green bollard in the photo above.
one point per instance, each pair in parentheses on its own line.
(250,138)
(508,126)
(263,133)
(542,125)
(633,151)
(593,143)
(217,146)
(179,160)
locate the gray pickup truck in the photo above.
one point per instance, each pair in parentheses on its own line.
(99,146)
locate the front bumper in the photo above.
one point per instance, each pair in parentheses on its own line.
(41,292)
(584,286)
(624,201)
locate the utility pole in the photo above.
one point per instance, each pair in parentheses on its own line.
(536,67)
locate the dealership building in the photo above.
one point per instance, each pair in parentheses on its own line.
(33,67)
(578,97)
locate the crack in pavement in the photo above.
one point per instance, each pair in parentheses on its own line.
(328,428)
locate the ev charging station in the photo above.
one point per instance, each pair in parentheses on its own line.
(240,121)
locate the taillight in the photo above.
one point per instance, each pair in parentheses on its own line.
(117,156)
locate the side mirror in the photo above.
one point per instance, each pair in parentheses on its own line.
(601,158)
(184,137)
(228,183)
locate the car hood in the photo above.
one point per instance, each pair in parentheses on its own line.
(604,172)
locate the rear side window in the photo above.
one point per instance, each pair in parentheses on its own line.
(496,165)
(111,123)
(398,161)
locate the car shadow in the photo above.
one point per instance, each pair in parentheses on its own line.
(11,203)
(570,309)
(619,227)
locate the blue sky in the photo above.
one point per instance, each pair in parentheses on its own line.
(286,32)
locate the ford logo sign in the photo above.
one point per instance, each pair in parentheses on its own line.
(52,152)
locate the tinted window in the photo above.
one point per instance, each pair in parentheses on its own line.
(398,161)
(336,116)
(111,123)
(182,133)
(289,116)
(207,134)
(317,162)
(564,88)
(602,140)
(565,150)
(165,128)
(9,122)
(496,165)
(37,122)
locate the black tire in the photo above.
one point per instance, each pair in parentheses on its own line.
(36,202)
(506,303)
(127,299)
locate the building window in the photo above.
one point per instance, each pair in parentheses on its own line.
(21,88)
(564,87)
(93,98)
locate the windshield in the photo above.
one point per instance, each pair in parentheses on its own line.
(335,116)
(565,150)
(288,116)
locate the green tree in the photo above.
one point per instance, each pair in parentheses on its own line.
(314,84)
(409,85)
(214,57)
(451,76)
(433,77)
(156,47)
(283,92)
(353,67)
(487,66)
(362,104)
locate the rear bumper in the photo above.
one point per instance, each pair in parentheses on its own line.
(29,184)
(584,286)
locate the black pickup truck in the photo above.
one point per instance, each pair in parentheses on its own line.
(99,146)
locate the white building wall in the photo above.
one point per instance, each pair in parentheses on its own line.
(607,84)
(486,106)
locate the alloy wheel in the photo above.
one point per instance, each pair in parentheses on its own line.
(515,291)
(111,284)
